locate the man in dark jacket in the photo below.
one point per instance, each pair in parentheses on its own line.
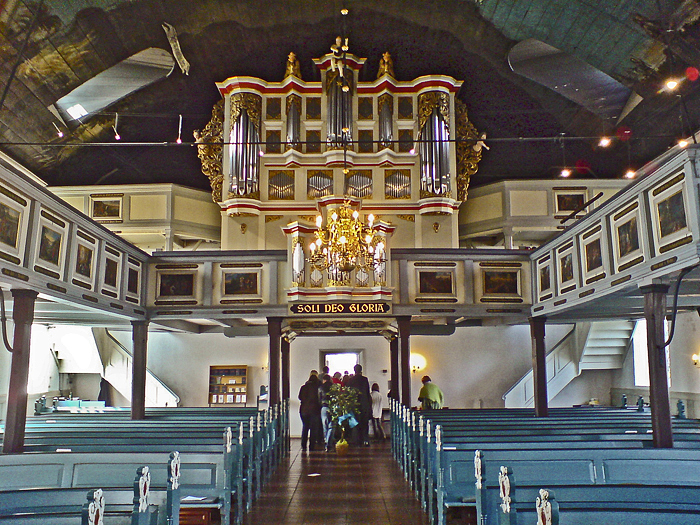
(361,383)
(310,412)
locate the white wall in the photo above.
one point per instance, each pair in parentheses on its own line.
(685,378)
(590,384)
(5,364)
(182,361)
(474,366)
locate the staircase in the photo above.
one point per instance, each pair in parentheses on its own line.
(606,345)
(601,345)
(117,361)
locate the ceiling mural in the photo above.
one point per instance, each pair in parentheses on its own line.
(48,48)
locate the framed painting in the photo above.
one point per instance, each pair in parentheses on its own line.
(628,241)
(567,202)
(84,259)
(501,282)
(106,207)
(111,273)
(133,280)
(544,278)
(241,283)
(50,247)
(437,282)
(566,265)
(175,284)
(594,255)
(10,219)
(669,213)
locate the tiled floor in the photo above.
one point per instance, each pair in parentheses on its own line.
(366,487)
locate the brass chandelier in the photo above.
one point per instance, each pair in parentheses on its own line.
(345,244)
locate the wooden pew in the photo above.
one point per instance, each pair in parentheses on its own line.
(606,429)
(68,506)
(593,486)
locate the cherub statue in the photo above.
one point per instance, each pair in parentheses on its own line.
(480,144)
(386,65)
(293,69)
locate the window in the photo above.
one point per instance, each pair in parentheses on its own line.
(641,355)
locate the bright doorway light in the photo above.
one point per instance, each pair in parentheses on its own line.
(342,362)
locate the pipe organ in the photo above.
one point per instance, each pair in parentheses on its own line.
(281,154)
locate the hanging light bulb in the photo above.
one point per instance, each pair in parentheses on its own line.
(671,84)
(116,123)
(604,142)
(630,174)
(682,143)
(58,131)
(179,131)
(565,173)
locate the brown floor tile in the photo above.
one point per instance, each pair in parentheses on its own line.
(366,486)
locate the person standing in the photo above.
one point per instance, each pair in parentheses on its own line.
(326,419)
(361,383)
(377,412)
(310,412)
(430,395)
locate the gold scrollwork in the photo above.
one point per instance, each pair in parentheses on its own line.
(255,195)
(385,99)
(251,102)
(272,218)
(293,100)
(427,102)
(409,218)
(210,149)
(468,156)
(424,194)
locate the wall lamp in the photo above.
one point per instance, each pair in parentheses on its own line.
(696,359)
(417,362)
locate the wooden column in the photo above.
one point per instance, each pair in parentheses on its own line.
(139,334)
(394,369)
(23,316)
(274,329)
(539,367)
(654,313)
(404,323)
(285,368)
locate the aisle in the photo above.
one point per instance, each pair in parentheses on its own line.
(366,486)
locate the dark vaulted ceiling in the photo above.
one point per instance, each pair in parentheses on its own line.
(49,48)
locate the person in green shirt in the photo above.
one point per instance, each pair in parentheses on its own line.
(430,395)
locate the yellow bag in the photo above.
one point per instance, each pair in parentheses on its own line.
(342,447)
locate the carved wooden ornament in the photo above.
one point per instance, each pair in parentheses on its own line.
(96,507)
(174,470)
(144,487)
(477,469)
(504,486)
(544,508)
(228,439)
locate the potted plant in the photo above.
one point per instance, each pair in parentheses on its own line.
(344,405)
